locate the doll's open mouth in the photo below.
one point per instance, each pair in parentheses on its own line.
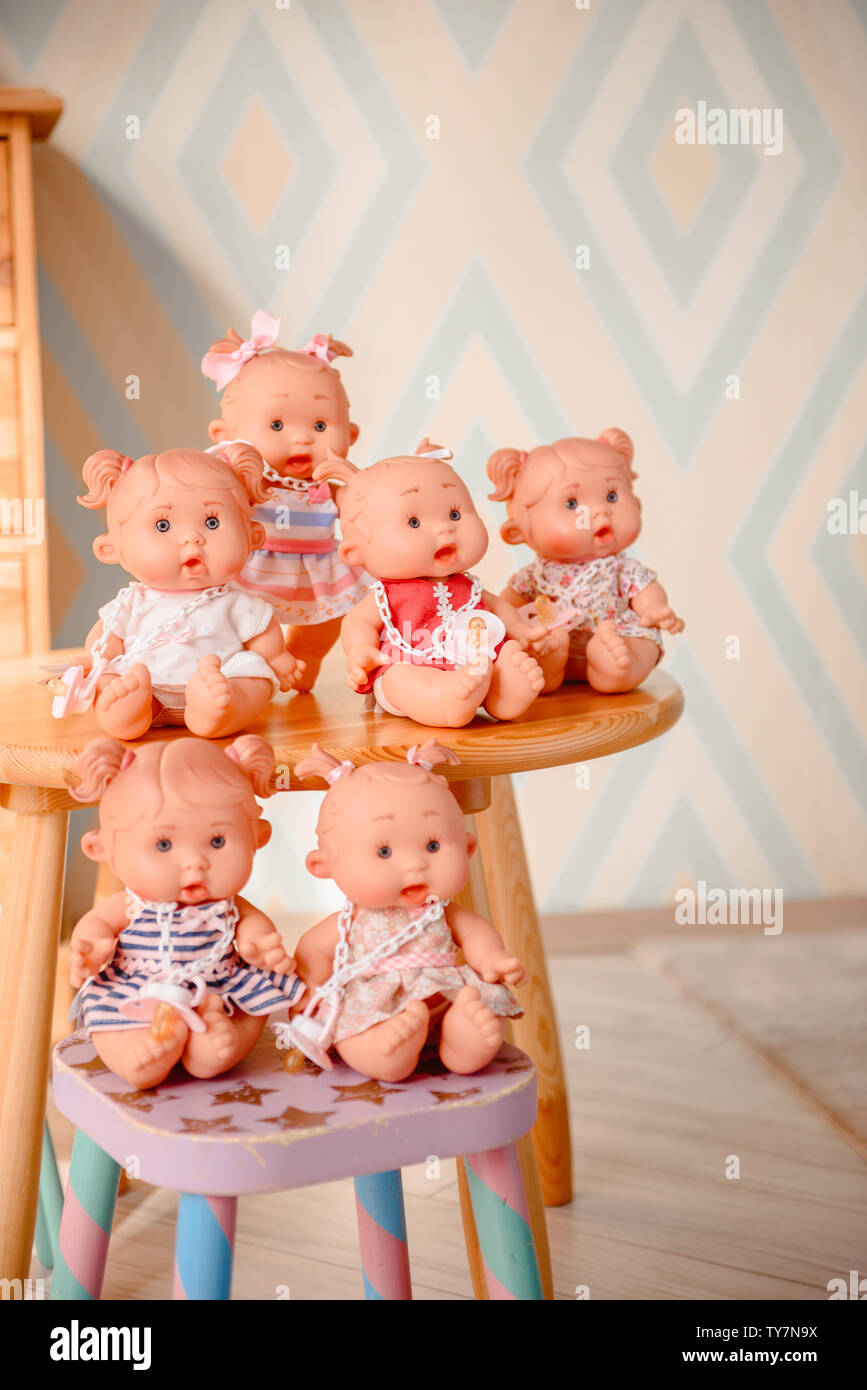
(603,535)
(415,894)
(446,554)
(299,460)
(194,565)
(194,892)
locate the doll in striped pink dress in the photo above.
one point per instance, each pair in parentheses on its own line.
(294,405)
(177,967)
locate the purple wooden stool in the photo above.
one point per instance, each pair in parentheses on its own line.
(258,1129)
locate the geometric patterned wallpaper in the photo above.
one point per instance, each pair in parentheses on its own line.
(452,266)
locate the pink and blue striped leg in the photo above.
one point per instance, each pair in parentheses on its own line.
(203,1247)
(85,1225)
(382,1236)
(50,1203)
(503,1224)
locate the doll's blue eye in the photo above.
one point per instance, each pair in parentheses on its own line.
(164,846)
(276,424)
(572,504)
(320,426)
(164,524)
(212,522)
(414,522)
(433,846)
(218,841)
(612,496)
(454,514)
(384,851)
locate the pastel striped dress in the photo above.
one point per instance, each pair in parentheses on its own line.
(191,946)
(298,569)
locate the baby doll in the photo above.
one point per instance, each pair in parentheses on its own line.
(185,644)
(572,502)
(177,967)
(427,638)
(384,971)
(292,407)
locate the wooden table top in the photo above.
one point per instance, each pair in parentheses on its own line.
(571,725)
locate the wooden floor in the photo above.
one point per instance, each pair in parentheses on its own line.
(663,1099)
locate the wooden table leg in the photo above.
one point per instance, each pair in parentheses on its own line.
(514,915)
(29,933)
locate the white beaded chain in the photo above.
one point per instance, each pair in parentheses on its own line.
(445,612)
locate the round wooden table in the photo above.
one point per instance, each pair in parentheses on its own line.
(38,756)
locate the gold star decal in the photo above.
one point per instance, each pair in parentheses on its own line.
(519,1066)
(371,1091)
(243,1094)
(443,1097)
(223,1123)
(134,1100)
(298,1119)
(93,1064)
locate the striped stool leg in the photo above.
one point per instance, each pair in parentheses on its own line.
(503,1224)
(382,1236)
(50,1197)
(85,1225)
(203,1247)
(41,1238)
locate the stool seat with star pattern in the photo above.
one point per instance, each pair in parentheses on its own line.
(258,1129)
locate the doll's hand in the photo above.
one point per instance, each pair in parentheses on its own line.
(88,955)
(265,951)
(549,643)
(359,662)
(289,669)
(500,968)
(663,617)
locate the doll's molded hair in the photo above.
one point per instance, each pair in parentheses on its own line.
(107,467)
(246,461)
(619,441)
(98,766)
(504,468)
(329,769)
(255,758)
(101,472)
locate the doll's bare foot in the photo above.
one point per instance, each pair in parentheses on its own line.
(516,682)
(553,661)
(217,705)
(471,1035)
(389,1050)
(224,1042)
(447,699)
(310,644)
(140,1058)
(617,663)
(124,706)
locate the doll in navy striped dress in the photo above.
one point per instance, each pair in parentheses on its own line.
(177,967)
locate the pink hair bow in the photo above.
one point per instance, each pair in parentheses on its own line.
(223,367)
(319,492)
(320,346)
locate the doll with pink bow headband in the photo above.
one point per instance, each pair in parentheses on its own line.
(293,408)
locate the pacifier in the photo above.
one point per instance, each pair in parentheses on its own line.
(159,1001)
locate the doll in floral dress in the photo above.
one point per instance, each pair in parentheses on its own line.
(292,406)
(385,972)
(572,502)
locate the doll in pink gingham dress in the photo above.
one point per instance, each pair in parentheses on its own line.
(385,971)
(293,407)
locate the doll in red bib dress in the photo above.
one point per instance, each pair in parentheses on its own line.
(293,408)
(572,503)
(427,639)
